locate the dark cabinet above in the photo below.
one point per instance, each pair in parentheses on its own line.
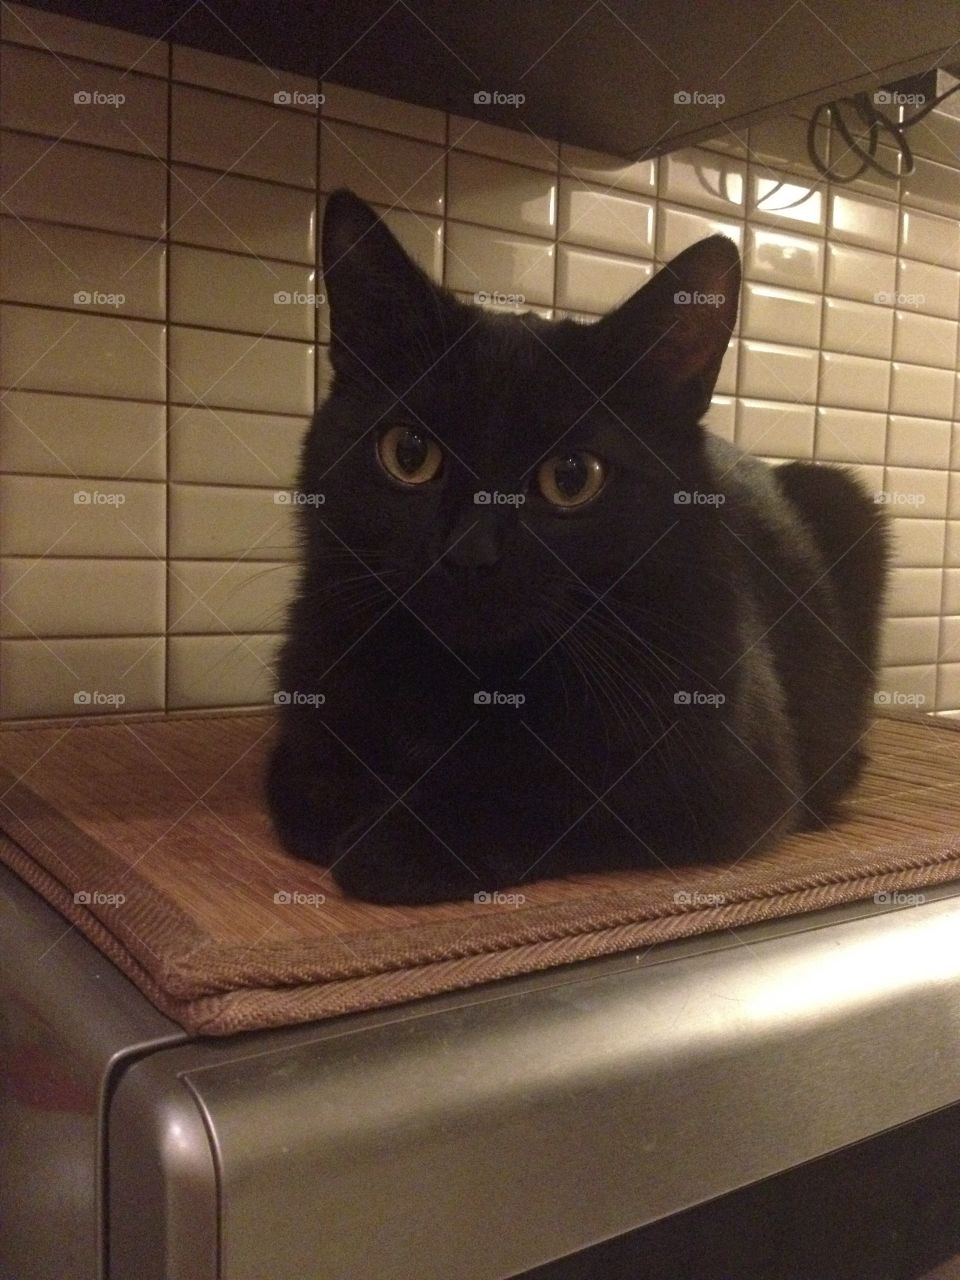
(623,76)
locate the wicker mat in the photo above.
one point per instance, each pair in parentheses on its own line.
(152,840)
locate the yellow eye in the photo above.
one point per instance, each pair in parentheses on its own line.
(409,455)
(570,479)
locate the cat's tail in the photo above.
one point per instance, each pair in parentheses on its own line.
(852,535)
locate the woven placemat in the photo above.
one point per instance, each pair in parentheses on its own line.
(151,838)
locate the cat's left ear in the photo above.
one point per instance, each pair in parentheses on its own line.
(386,315)
(672,333)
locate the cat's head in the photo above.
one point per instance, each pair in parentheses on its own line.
(496,466)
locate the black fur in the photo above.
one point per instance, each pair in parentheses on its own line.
(759,597)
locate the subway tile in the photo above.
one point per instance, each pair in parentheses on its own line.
(43,93)
(500,195)
(909,641)
(948,685)
(218,522)
(922,339)
(931,238)
(786,203)
(732,142)
(93,270)
(883,186)
(244,215)
(928,289)
(246,78)
(721,417)
(497,261)
(859,219)
(868,475)
(81,677)
(421,236)
(780,315)
(916,492)
(66,351)
(854,382)
(916,591)
(70,183)
(917,542)
(77,597)
(921,392)
(503,144)
(211,596)
(237,371)
(608,172)
(917,683)
(355,106)
(56,32)
(777,428)
(41,516)
(611,220)
(597,282)
(727,378)
(705,179)
(774,257)
(677,229)
(851,435)
(950,642)
(382,167)
(861,274)
(937,136)
(780,146)
(221,671)
(857,328)
(772,372)
(82,435)
(933,187)
(918,442)
(224,447)
(244,137)
(252,295)
(324,371)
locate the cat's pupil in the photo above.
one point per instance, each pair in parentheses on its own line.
(570,475)
(411,452)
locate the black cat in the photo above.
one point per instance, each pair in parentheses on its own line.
(546,622)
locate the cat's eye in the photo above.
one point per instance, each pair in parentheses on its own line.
(409,455)
(570,479)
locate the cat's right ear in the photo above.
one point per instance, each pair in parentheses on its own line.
(385,313)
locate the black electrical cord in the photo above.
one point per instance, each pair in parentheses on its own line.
(865,148)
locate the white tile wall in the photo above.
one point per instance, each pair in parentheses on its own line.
(153,394)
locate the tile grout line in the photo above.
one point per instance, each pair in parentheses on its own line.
(168,531)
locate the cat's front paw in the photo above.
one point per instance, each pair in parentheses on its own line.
(398,861)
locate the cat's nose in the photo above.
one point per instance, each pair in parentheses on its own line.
(473,545)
